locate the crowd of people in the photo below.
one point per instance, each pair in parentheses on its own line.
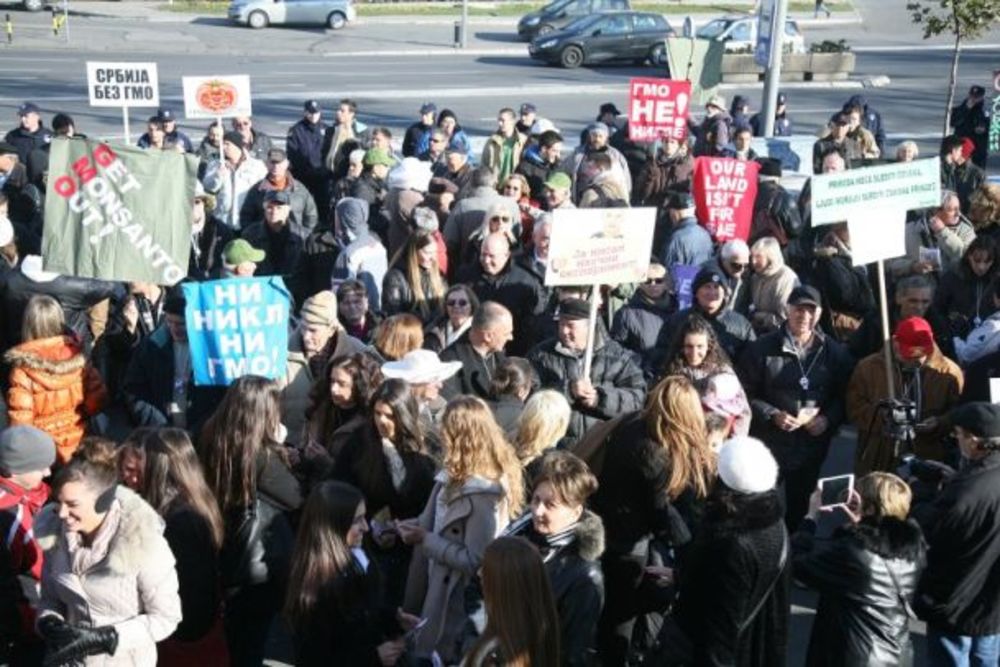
(459,466)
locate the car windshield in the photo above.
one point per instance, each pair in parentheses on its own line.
(556,6)
(712,29)
(583,22)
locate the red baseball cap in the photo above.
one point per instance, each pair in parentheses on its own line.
(968,147)
(914,337)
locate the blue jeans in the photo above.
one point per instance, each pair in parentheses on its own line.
(961,650)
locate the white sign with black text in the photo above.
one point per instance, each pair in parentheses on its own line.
(117,84)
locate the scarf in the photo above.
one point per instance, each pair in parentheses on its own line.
(18,538)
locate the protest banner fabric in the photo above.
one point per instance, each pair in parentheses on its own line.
(117,212)
(657,108)
(993,145)
(216,96)
(683,277)
(237,327)
(902,186)
(600,246)
(698,61)
(724,192)
(117,84)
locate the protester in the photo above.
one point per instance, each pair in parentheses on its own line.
(771,283)
(355,312)
(639,324)
(510,387)
(109,584)
(362,255)
(711,289)
(231,177)
(474,497)
(687,242)
(480,351)
(540,428)
(396,336)
(416,285)
(241,449)
(522,623)
(460,306)
(52,384)
(27,455)
(936,243)
(965,294)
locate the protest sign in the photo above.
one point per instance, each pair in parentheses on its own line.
(216,96)
(118,213)
(236,327)
(902,186)
(765,26)
(879,234)
(724,192)
(683,276)
(993,145)
(117,84)
(600,246)
(657,108)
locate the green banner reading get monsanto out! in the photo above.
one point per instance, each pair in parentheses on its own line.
(117,212)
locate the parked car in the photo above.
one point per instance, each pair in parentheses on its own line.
(29,5)
(334,14)
(560,13)
(739,33)
(605,37)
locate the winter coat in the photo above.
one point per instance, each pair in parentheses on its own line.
(190,539)
(844,286)
(493,153)
(782,125)
(941,383)
(848,148)
(398,296)
(604,191)
(713,135)
(304,215)
(315,265)
(738,287)
(282,248)
(688,244)
(732,565)
(775,214)
(458,532)
(965,298)
(867,339)
(769,292)
(335,145)
(439,334)
(348,622)
(231,188)
(771,374)
(205,261)
(513,288)
(871,119)
(732,329)
(973,123)
(638,325)
(399,205)
(535,170)
(863,575)
(364,259)
(54,388)
(962,179)
(132,586)
(582,172)
(615,373)
(20,561)
(475,375)
(304,147)
(300,375)
(661,177)
(417,139)
(25,141)
(981,341)
(951,241)
(25,208)
(572,562)
(959,590)
(467,216)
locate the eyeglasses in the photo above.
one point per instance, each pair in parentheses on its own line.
(738,266)
(456,303)
(655,281)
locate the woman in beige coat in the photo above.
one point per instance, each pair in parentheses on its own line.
(109,586)
(771,283)
(479,489)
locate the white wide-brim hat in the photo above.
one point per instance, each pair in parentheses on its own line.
(420,367)
(747,466)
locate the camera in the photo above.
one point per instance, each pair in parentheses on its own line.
(899,420)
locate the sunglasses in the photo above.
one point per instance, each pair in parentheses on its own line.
(655,281)
(456,303)
(738,265)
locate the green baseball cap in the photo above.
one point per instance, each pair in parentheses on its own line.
(374,156)
(559,181)
(238,251)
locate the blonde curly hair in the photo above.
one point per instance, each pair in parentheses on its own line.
(984,206)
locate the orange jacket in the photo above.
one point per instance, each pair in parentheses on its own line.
(54,388)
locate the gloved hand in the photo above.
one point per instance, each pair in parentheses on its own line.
(82,643)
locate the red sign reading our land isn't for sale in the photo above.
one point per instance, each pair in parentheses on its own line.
(657,108)
(724,192)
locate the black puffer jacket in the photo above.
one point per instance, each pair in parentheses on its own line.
(572,561)
(398,297)
(862,575)
(637,327)
(615,374)
(513,288)
(732,329)
(775,214)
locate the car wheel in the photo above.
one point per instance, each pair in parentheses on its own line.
(33,5)
(571,56)
(543,29)
(257,20)
(336,20)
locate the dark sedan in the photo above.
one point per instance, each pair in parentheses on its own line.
(606,37)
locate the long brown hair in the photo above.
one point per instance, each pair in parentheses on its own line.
(427,305)
(474,445)
(397,335)
(321,549)
(173,474)
(239,430)
(676,421)
(520,609)
(322,416)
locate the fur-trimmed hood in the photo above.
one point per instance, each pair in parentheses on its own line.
(890,538)
(139,526)
(58,355)
(589,534)
(731,512)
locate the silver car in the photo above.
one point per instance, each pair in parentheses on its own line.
(262,13)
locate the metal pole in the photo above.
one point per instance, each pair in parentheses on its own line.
(588,355)
(772,78)
(465,23)
(886,348)
(66,18)
(128,138)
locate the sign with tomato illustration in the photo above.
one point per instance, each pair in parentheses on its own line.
(216,96)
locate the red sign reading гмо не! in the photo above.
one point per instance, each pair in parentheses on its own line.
(657,108)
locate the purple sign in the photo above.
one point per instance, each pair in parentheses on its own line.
(683,276)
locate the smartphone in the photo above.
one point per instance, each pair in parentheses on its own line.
(835,491)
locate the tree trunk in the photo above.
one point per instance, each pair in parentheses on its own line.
(954,71)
